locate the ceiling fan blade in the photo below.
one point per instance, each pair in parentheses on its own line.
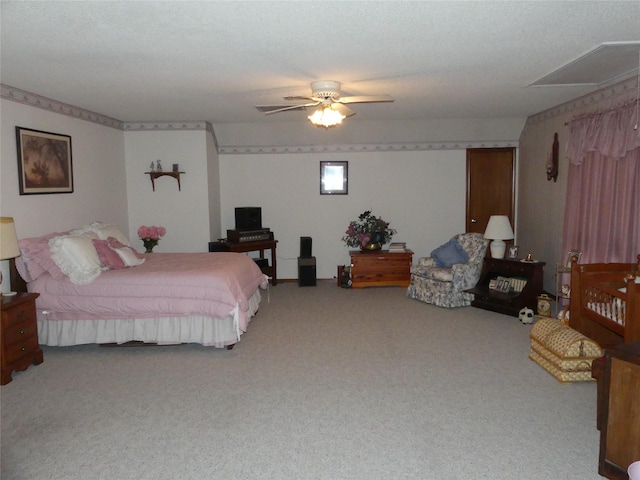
(284,109)
(343,109)
(298,97)
(365,99)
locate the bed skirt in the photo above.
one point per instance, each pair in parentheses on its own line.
(210,332)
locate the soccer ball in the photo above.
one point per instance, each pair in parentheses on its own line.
(526,315)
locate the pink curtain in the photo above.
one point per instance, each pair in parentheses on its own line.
(602,210)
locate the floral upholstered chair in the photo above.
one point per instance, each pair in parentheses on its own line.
(452,268)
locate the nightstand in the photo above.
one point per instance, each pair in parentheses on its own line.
(19,334)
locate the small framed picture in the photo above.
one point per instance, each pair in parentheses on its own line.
(570,255)
(513,252)
(503,285)
(334,178)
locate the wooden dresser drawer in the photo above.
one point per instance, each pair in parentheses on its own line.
(18,333)
(18,314)
(25,345)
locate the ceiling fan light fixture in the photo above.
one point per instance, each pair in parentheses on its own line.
(326,117)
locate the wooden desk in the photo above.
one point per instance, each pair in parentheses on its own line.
(508,303)
(381,268)
(261,246)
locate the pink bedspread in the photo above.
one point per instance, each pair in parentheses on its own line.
(166,285)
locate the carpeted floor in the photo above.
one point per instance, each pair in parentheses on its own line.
(327,383)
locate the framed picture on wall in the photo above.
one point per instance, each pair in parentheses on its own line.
(334,178)
(44,162)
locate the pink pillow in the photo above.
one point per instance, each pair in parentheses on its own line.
(108,257)
(36,256)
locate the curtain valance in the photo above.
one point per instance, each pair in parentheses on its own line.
(614,133)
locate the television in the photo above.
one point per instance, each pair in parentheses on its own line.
(248,218)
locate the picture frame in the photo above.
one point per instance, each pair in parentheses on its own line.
(334,178)
(513,252)
(570,255)
(503,285)
(45,162)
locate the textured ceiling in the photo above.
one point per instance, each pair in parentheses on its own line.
(214,61)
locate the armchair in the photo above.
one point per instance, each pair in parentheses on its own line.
(442,278)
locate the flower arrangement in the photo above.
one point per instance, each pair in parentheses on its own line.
(366,230)
(151,236)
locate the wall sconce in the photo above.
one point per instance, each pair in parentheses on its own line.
(552,160)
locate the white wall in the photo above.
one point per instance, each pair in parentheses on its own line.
(100,191)
(184,213)
(421,193)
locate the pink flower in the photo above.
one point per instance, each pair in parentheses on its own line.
(151,233)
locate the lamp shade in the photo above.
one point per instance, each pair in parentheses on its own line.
(326,117)
(8,239)
(498,230)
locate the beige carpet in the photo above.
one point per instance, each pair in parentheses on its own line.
(328,383)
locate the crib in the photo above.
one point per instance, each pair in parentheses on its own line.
(605,302)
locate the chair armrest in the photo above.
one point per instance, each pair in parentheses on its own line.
(426,262)
(466,275)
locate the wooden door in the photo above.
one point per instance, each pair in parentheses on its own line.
(490,186)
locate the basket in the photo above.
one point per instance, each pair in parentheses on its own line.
(562,351)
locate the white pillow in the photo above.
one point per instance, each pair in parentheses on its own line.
(103,231)
(128,256)
(76,257)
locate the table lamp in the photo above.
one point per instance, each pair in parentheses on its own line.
(498,229)
(8,247)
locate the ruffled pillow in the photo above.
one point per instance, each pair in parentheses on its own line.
(76,257)
(450,253)
(103,231)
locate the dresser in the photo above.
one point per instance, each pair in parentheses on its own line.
(619,410)
(381,268)
(19,334)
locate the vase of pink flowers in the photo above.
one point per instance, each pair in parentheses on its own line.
(150,236)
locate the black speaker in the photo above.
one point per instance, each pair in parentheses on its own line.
(218,247)
(305,247)
(307,272)
(248,218)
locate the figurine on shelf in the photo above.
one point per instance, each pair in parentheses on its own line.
(158,166)
(152,167)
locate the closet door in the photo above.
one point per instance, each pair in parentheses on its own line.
(490,186)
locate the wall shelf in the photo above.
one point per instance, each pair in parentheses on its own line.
(154,175)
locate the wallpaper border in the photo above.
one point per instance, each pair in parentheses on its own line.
(38,101)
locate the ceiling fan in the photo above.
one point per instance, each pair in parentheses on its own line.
(327,94)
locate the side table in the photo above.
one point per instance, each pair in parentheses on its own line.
(19,334)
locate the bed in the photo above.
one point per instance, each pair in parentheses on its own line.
(605,302)
(96,289)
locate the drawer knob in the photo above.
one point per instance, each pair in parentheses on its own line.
(21,313)
(24,349)
(21,331)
